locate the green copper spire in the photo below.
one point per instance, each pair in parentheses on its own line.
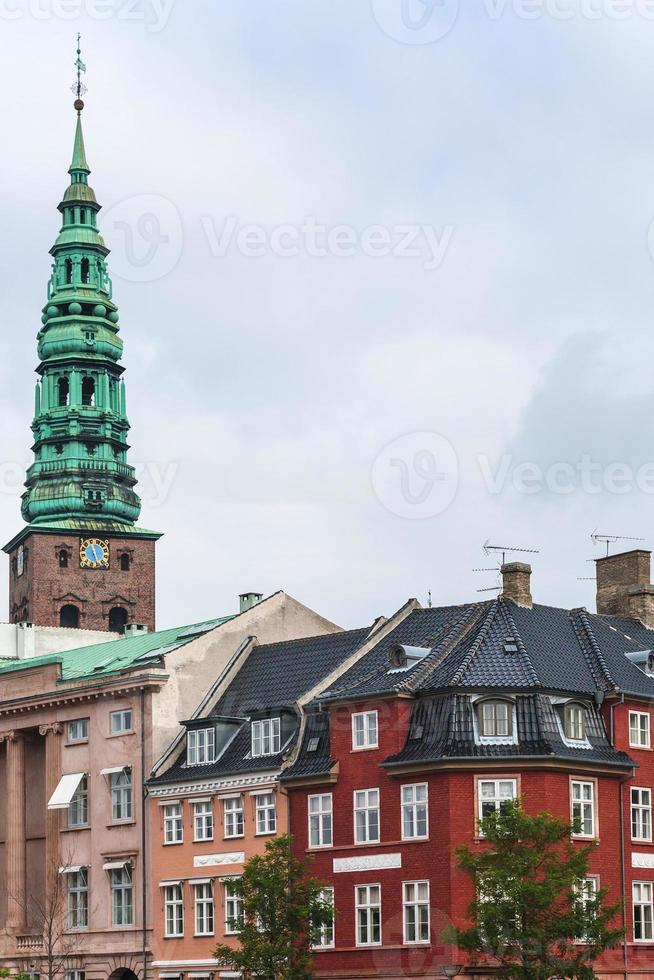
(80,470)
(79,153)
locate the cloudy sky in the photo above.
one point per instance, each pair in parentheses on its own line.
(384,275)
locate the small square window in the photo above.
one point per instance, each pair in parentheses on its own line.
(121,721)
(365,730)
(78,730)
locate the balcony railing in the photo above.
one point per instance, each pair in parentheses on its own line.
(29,942)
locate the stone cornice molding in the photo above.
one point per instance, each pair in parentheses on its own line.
(111,689)
(235,783)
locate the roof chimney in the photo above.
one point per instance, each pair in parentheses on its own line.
(249,599)
(516,583)
(622,584)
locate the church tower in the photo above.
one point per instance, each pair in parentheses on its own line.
(81,560)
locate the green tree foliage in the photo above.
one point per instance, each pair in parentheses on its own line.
(283,912)
(533,914)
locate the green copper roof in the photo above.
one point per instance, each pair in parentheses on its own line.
(79,153)
(80,472)
(103,660)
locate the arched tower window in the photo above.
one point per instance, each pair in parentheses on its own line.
(88,391)
(68,266)
(63,391)
(63,558)
(69,617)
(82,216)
(124,563)
(85,270)
(117,620)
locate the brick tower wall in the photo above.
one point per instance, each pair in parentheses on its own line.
(38,595)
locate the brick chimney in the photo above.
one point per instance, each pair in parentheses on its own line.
(623,586)
(516,583)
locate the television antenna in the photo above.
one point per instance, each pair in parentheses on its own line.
(609,539)
(505,549)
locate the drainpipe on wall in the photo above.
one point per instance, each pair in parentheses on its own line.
(144,889)
(623,860)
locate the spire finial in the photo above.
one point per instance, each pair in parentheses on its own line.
(77,87)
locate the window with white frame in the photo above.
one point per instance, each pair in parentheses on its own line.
(233,814)
(641,813)
(643,901)
(366,816)
(203,908)
(365,730)
(121,795)
(122,897)
(233,908)
(321,820)
(414,811)
(266,814)
(266,736)
(574,716)
(583,807)
(202,820)
(77,892)
(494,794)
(201,746)
(78,730)
(121,721)
(173,823)
(495,719)
(415,907)
(368,915)
(639,736)
(78,808)
(75,975)
(323,934)
(174,910)
(585,895)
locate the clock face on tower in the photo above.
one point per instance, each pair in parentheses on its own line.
(93,553)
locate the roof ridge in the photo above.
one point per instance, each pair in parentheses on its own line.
(450,638)
(521,646)
(476,646)
(580,616)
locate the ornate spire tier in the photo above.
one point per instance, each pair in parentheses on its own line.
(80,425)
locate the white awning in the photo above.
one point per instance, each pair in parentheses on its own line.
(116,865)
(112,770)
(169,884)
(72,869)
(200,976)
(200,799)
(200,881)
(230,796)
(262,792)
(65,791)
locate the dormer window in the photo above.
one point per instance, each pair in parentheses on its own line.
(574,717)
(201,747)
(495,719)
(266,737)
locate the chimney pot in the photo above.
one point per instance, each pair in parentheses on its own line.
(249,599)
(516,583)
(616,576)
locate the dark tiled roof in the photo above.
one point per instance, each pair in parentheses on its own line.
(571,651)
(274,676)
(319,761)
(277,674)
(442,728)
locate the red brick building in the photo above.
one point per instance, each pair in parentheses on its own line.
(452,711)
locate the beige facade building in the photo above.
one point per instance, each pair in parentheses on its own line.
(79,733)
